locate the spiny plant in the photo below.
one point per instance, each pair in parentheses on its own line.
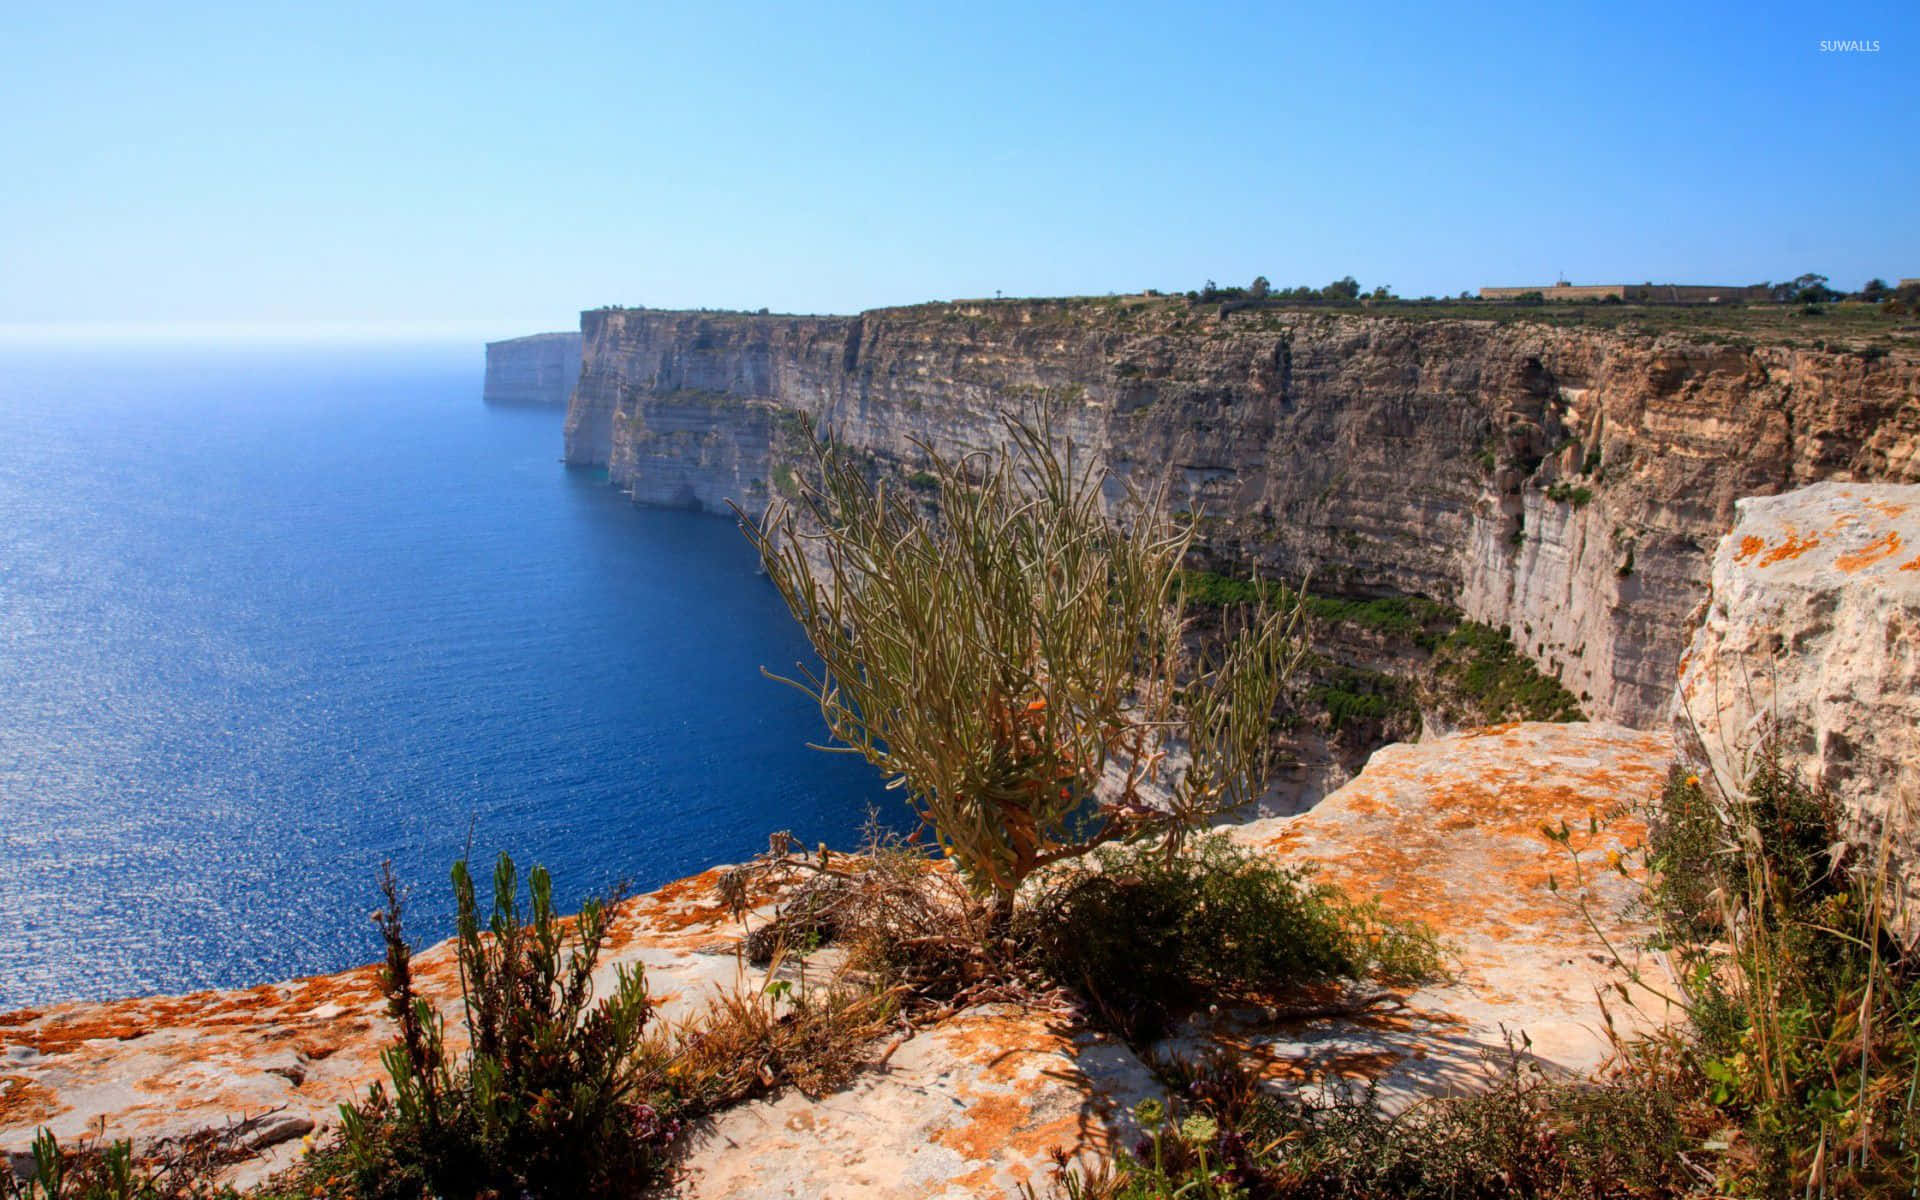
(95,1168)
(1014,656)
(548,1100)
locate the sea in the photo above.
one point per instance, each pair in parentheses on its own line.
(272,616)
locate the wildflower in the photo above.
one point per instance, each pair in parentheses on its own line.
(1149,1112)
(1613,860)
(1199,1130)
(1693,781)
(1039,705)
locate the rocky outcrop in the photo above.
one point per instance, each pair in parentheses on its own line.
(166,1067)
(1566,484)
(538,370)
(1809,644)
(1447,832)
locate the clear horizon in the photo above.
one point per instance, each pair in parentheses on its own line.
(227,172)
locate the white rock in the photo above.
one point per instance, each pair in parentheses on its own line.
(1810,641)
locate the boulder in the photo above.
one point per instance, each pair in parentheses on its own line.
(1809,645)
(1453,833)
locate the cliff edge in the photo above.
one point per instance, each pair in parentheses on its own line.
(973,1104)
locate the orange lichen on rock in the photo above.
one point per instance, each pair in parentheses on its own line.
(1507,843)
(686,908)
(1005,1127)
(1481,825)
(24,1102)
(991,1124)
(1884,546)
(1793,547)
(1749,546)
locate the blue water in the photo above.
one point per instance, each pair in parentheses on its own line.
(269,618)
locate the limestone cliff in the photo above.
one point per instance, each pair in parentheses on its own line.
(537,370)
(1568,484)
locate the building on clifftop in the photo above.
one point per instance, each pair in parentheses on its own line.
(1634,293)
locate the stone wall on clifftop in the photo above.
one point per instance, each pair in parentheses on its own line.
(539,370)
(1568,484)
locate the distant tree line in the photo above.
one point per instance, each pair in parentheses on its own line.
(1810,289)
(1345,290)
(1814,289)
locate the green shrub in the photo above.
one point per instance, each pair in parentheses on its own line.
(1481,673)
(548,1101)
(1406,616)
(1351,696)
(1803,1003)
(1143,935)
(1563,492)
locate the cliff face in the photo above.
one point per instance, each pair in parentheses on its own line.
(1567,484)
(540,369)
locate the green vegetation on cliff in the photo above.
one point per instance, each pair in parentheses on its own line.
(1470,674)
(1851,326)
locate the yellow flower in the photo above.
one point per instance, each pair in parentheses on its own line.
(1693,781)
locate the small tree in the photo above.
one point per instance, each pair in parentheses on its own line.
(1018,661)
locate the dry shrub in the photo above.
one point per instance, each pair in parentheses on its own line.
(748,1044)
(905,921)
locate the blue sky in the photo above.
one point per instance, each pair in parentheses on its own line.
(503,166)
